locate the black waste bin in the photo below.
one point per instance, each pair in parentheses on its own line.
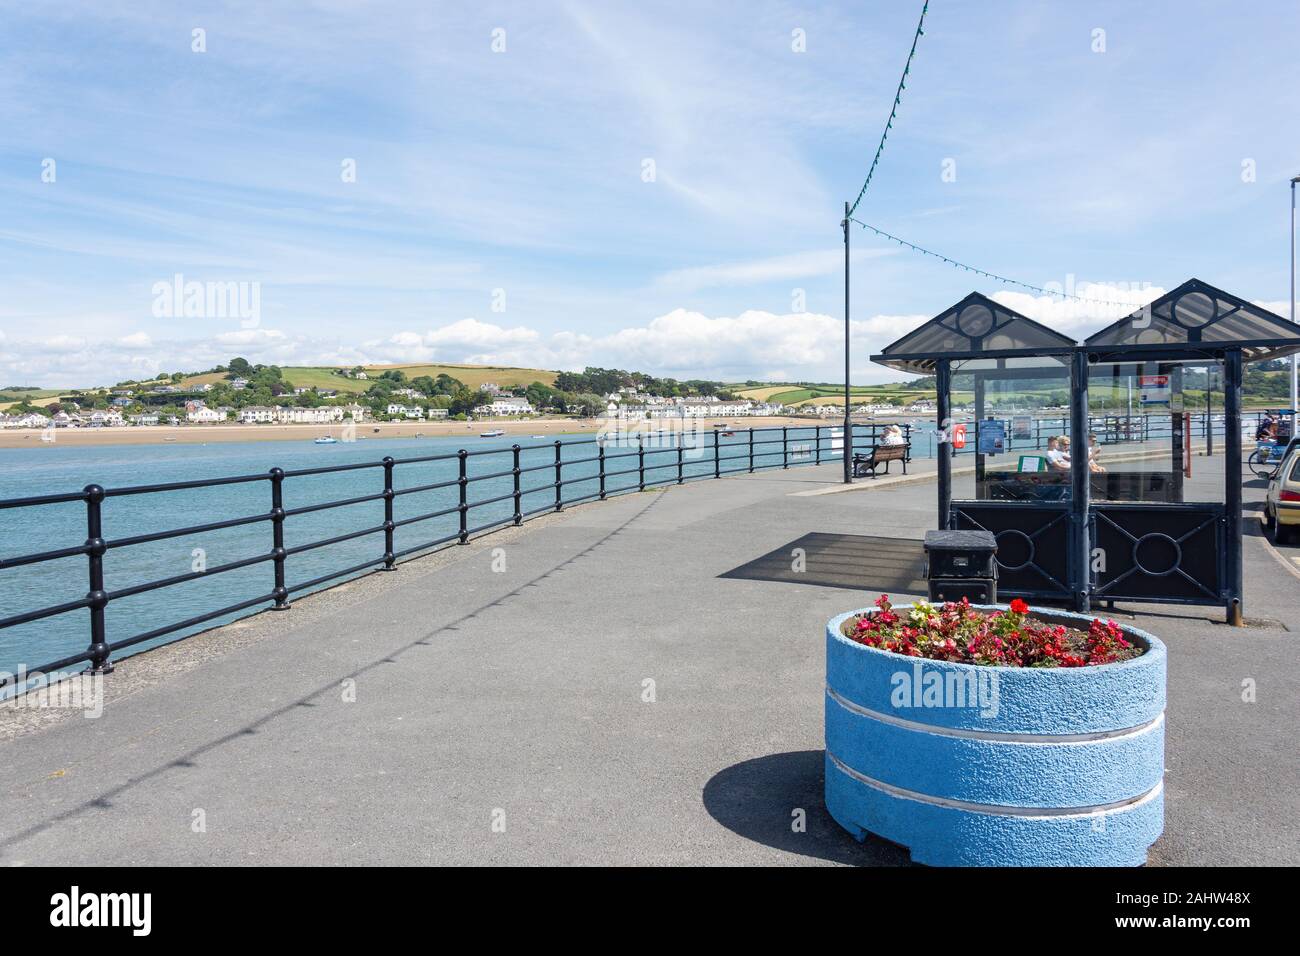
(962,564)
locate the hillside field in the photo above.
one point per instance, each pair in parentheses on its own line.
(472,375)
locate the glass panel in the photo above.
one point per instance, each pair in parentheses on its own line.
(977,324)
(1016,418)
(1148,439)
(1195,312)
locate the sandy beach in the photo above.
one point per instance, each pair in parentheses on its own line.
(203,434)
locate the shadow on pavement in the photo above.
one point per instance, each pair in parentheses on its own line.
(854,561)
(756,799)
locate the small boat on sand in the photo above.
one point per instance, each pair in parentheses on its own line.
(494,433)
(325,440)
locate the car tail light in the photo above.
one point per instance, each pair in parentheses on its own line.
(1289,496)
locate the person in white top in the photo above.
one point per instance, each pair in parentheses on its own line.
(1058,455)
(892,435)
(1094,453)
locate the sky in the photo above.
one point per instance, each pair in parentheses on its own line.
(653,186)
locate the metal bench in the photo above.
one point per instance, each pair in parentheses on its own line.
(864,465)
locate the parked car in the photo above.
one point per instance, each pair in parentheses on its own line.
(1282,505)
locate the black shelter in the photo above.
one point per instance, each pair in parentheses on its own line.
(1083,464)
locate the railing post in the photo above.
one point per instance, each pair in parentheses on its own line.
(280,592)
(462,457)
(98,597)
(717,461)
(389,557)
(751,451)
(559,488)
(640,463)
(681,454)
(785,446)
(817,443)
(514,470)
(600,465)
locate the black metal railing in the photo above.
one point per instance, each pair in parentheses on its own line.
(614,468)
(1109,429)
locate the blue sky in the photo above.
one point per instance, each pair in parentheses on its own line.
(500,211)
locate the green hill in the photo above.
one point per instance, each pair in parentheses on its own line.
(473,376)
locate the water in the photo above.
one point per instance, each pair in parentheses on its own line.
(52,469)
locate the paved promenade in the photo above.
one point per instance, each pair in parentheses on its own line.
(641,684)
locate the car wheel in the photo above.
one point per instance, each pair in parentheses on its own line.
(1269,520)
(1281,533)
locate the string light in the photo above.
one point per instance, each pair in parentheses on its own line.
(893,111)
(1131,306)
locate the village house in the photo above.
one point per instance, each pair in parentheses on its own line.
(292,415)
(506,405)
(27,420)
(109,418)
(405,411)
(256,414)
(200,414)
(145,418)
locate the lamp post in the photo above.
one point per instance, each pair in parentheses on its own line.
(848,421)
(1295,374)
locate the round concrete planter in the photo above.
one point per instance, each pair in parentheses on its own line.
(968,765)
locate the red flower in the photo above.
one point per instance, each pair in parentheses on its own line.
(1018,606)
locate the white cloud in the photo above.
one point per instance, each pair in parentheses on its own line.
(136,340)
(1277,307)
(801,265)
(1103,303)
(59,344)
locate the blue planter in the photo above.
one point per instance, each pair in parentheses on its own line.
(997,766)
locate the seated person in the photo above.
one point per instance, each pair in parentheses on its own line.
(1267,430)
(1094,453)
(892,435)
(1058,453)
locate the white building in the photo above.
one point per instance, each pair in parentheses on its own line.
(256,414)
(292,415)
(510,405)
(712,408)
(202,415)
(239,384)
(405,411)
(29,420)
(145,418)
